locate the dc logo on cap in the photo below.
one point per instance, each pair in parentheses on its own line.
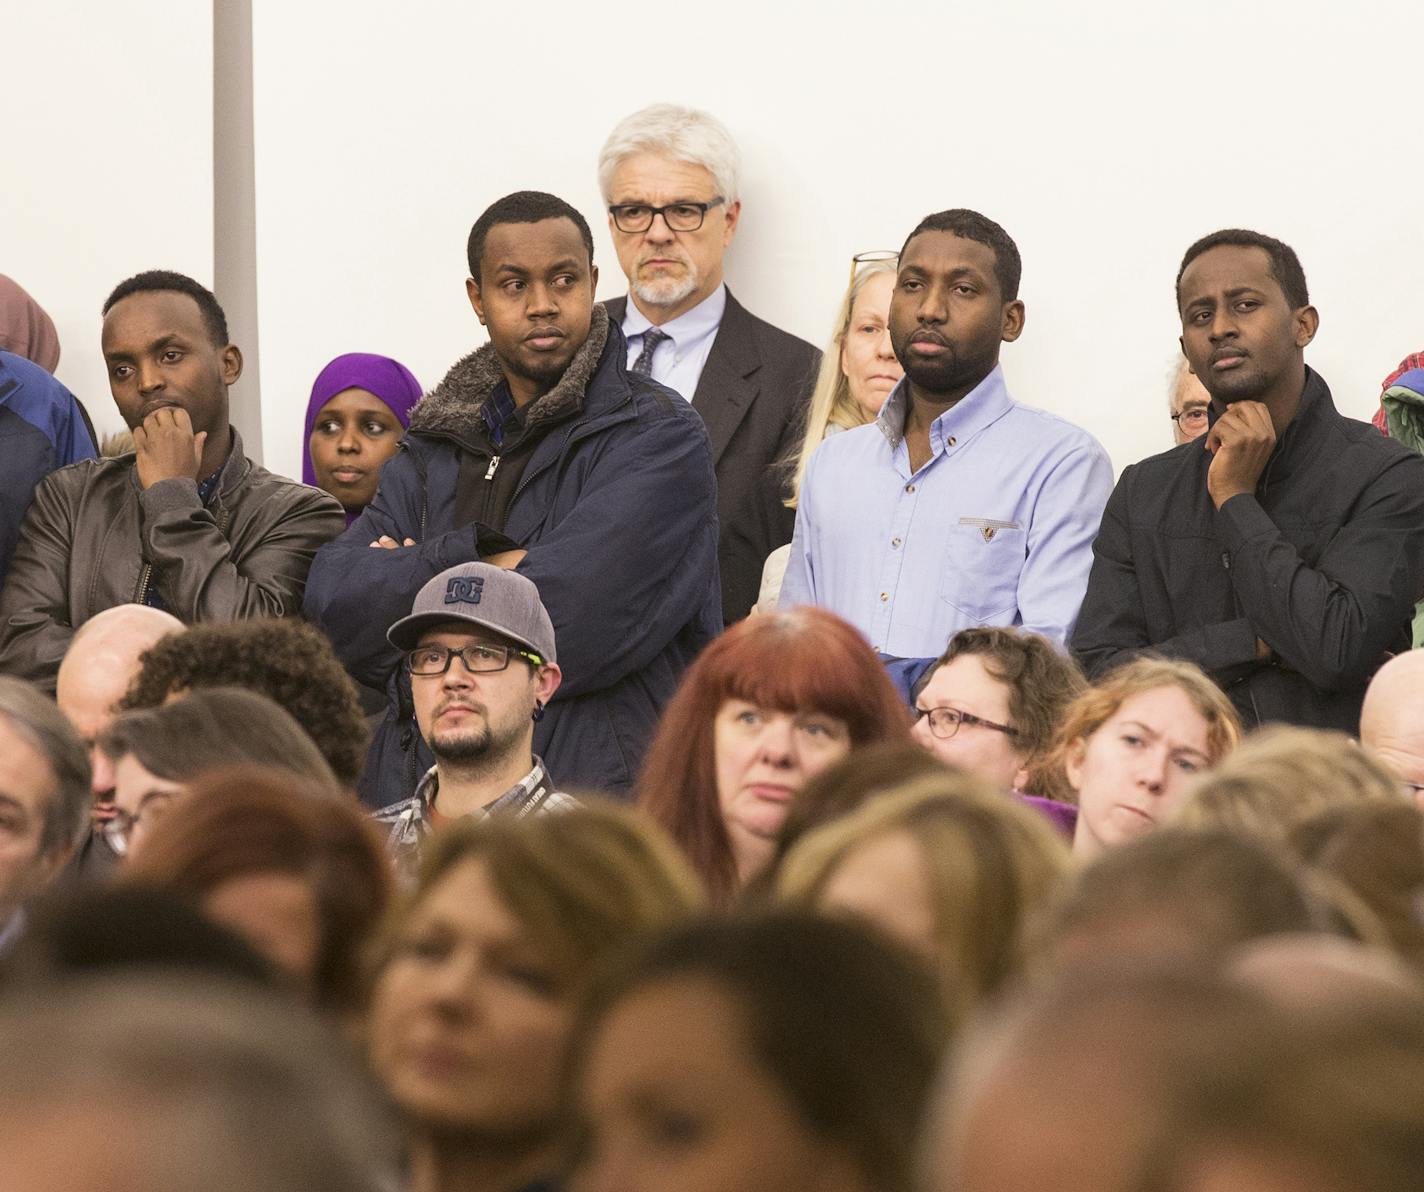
(464,589)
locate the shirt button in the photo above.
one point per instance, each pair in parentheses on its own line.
(884,596)
(894,542)
(909,488)
(951,437)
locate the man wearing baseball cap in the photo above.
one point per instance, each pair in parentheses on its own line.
(479,648)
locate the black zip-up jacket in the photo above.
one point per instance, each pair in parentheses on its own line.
(1323,563)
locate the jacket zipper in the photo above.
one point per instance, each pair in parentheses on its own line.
(224,516)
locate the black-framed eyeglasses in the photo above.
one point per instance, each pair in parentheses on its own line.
(874,257)
(945,722)
(679,217)
(1190,417)
(118,828)
(480,658)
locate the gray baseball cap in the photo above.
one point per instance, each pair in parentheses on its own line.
(491,597)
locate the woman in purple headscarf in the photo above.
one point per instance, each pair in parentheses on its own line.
(359,408)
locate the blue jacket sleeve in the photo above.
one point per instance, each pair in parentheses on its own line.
(635,560)
(355,591)
(906,673)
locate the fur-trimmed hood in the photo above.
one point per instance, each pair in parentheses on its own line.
(453,406)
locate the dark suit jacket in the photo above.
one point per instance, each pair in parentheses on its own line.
(752,397)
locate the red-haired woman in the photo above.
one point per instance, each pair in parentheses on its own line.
(769,704)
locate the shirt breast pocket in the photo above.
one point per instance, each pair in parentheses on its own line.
(982,561)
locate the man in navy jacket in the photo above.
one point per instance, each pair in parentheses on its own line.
(541,452)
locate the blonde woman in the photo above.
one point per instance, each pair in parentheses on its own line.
(1281,776)
(946,865)
(858,371)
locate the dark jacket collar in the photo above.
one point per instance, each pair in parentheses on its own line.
(1298,441)
(1315,412)
(452,408)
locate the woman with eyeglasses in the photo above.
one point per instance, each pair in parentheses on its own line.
(990,706)
(157,753)
(858,370)
(1131,744)
(769,704)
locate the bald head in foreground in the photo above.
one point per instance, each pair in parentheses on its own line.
(101,662)
(1392,720)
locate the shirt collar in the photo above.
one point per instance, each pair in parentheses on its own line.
(688,327)
(985,403)
(533,784)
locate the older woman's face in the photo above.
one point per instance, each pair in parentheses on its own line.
(671,1098)
(468,1023)
(763,758)
(1132,772)
(867,359)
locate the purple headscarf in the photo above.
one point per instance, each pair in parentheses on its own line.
(388,379)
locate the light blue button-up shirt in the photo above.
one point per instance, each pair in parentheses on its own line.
(996,529)
(678,361)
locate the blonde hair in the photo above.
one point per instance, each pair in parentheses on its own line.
(582,883)
(1279,777)
(992,862)
(831,403)
(1100,702)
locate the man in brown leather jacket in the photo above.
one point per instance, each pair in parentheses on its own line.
(187,523)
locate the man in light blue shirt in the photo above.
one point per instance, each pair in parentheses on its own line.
(957,506)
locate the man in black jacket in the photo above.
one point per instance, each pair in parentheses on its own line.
(669,176)
(1284,550)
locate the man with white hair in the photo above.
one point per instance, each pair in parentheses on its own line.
(669,177)
(1392,720)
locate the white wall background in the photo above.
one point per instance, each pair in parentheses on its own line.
(1105,137)
(108,161)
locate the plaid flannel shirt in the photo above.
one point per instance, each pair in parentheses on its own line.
(410,819)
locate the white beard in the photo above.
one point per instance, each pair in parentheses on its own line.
(666,290)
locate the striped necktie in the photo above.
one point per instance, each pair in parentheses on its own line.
(652,337)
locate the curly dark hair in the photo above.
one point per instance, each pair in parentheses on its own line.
(287,661)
